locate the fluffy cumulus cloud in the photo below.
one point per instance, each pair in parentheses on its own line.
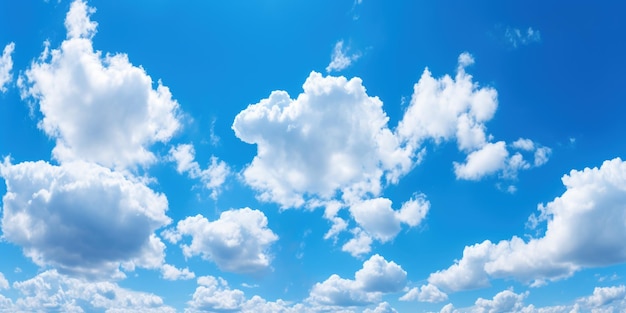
(332,147)
(98,108)
(238,241)
(377,220)
(603,299)
(383,307)
(377,277)
(213,177)
(4,283)
(446,108)
(584,228)
(214,295)
(359,244)
(332,138)
(489,159)
(6,64)
(82,218)
(603,296)
(53,292)
(340,58)
(170,272)
(425,293)
(504,301)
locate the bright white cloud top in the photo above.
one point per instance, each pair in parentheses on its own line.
(208,157)
(6,64)
(109,99)
(584,229)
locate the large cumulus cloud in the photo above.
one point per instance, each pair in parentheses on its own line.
(82,218)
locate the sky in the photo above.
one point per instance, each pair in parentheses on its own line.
(312,156)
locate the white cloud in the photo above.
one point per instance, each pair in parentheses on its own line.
(604,295)
(448,308)
(383,307)
(4,283)
(213,294)
(377,277)
(257,304)
(377,218)
(332,144)
(414,211)
(52,292)
(584,229)
(237,242)
(338,226)
(446,108)
(380,221)
(170,272)
(6,64)
(339,59)
(503,302)
(360,244)
(332,138)
(98,108)
(82,218)
(426,293)
(489,159)
(77,21)
(524,144)
(516,37)
(541,155)
(212,178)
(603,299)
(467,273)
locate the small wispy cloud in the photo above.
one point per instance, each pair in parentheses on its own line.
(516,37)
(340,59)
(356,3)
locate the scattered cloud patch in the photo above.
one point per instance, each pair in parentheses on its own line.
(604,295)
(361,243)
(6,64)
(340,59)
(214,295)
(237,242)
(584,229)
(467,273)
(170,272)
(82,218)
(446,108)
(377,218)
(603,299)
(502,302)
(376,278)
(425,293)
(4,283)
(109,99)
(212,177)
(332,145)
(51,291)
(383,307)
(491,158)
(516,37)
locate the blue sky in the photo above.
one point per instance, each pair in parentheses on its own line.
(312,156)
